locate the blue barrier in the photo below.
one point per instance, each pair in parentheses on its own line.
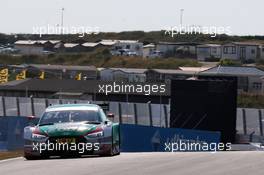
(12,131)
(136,138)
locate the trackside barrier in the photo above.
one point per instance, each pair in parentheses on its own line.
(12,131)
(136,138)
(249,121)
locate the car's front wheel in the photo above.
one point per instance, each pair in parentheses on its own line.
(114,150)
(32,157)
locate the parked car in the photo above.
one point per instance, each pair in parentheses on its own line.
(156,54)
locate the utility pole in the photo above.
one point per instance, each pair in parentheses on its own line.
(62,11)
(181,17)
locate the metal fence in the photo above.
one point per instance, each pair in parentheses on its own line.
(130,113)
(249,121)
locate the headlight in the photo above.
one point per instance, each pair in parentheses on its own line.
(98,132)
(95,134)
(38,136)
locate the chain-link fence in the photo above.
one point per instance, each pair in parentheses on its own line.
(249,121)
(131,113)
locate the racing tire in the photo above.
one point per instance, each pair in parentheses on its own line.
(114,150)
(30,157)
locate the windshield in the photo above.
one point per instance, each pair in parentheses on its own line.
(70,116)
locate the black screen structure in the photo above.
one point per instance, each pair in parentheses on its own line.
(208,103)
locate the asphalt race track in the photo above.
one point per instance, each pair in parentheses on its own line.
(235,163)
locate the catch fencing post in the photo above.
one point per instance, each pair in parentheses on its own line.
(46,102)
(244,121)
(4,106)
(150,115)
(260,123)
(166,116)
(32,106)
(120,112)
(18,107)
(135,113)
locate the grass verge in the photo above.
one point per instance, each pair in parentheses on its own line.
(10,154)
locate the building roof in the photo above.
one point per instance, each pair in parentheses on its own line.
(90,44)
(25,42)
(62,67)
(112,42)
(173,71)
(149,46)
(244,43)
(70,45)
(127,41)
(234,71)
(55,41)
(50,85)
(194,69)
(70,86)
(108,42)
(42,41)
(126,70)
(178,43)
(131,70)
(32,42)
(209,45)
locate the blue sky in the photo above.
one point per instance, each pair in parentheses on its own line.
(242,16)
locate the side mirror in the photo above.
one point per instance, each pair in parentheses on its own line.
(111,116)
(31,117)
(31,120)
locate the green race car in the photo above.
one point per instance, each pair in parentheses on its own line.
(70,130)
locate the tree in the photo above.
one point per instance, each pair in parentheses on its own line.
(228,62)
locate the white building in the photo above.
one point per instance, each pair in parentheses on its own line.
(181,47)
(123,74)
(35,47)
(240,51)
(148,50)
(207,51)
(249,78)
(261,51)
(28,47)
(124,47)
(262,85)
